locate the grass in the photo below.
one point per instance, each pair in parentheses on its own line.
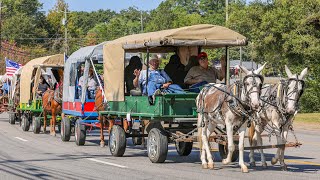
(308,117)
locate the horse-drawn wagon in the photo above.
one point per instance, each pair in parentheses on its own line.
(173,117)
(79,110)
(30,104)
(13,101)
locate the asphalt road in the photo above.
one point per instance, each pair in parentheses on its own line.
(24,155)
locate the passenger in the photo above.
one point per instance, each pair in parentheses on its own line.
(176,70)
(135,63)
(157,81)
(6,86)
(92,84)
(42,87)
(203,74)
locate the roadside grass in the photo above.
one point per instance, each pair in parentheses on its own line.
(308,117)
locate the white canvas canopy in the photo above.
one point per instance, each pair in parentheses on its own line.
(26,73)
(202,35)
(83,55)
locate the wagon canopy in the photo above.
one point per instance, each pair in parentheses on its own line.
(204,35)
(80,56)
(27,70)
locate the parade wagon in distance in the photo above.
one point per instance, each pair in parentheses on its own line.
(30,105)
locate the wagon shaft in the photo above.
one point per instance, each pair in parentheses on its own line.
(290,144)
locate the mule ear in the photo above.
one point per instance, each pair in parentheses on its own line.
(289,74)
(258,71)
(303,73)
(244,69)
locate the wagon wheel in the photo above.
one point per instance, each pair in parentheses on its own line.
(136,140)
(117,141)
(12,118)
(223,150)
(80,133)
(36,124)
(157,145)
(25,123)
(184,148)
(65,129)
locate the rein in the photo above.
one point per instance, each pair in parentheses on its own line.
(243,109)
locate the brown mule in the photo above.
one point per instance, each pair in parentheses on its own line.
(99,106)
(53,104)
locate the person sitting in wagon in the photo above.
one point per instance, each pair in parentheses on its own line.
(158,81)
(204,74)
(42,87)
(92,84)
(135,63)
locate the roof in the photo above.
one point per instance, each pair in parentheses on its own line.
(80,56)
(88,52)
(204,35)
(27,70)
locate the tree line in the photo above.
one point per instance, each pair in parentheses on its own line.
(279,31)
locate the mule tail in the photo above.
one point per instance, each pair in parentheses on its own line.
(251,133)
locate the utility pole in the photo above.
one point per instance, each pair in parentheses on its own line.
(141,21)
(65,22)
(227,52)
(0,29)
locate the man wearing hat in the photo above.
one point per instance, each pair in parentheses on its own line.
(158,81)
(203,74)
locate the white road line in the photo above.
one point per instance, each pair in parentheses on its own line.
(21,139)
(107,163)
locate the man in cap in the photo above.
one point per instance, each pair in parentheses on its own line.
(92,84)
(203,74)
(158,81)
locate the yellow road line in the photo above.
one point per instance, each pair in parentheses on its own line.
(302,162)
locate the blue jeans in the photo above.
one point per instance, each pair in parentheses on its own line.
(173,88)
(196,87)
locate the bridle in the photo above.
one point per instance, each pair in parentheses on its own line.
(295,91)
(254,85)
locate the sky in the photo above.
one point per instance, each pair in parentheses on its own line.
(93,5)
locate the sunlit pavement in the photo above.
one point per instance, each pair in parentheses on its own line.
(24,155)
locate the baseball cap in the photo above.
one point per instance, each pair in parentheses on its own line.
(202,54)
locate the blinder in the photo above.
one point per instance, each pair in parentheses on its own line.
(295,89)
(254,76)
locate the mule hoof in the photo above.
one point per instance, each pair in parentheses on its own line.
(102,144)
(204,166)
(211,166)
(224,161)
(264,165)
(284,167)
(274,161)
(53,134)
(244,169)
(252,164)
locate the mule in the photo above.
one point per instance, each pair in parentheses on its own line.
(52,103)
(100,106)
(280,104)
(215,104)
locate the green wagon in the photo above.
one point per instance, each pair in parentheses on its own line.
(173,117)
(30,106)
